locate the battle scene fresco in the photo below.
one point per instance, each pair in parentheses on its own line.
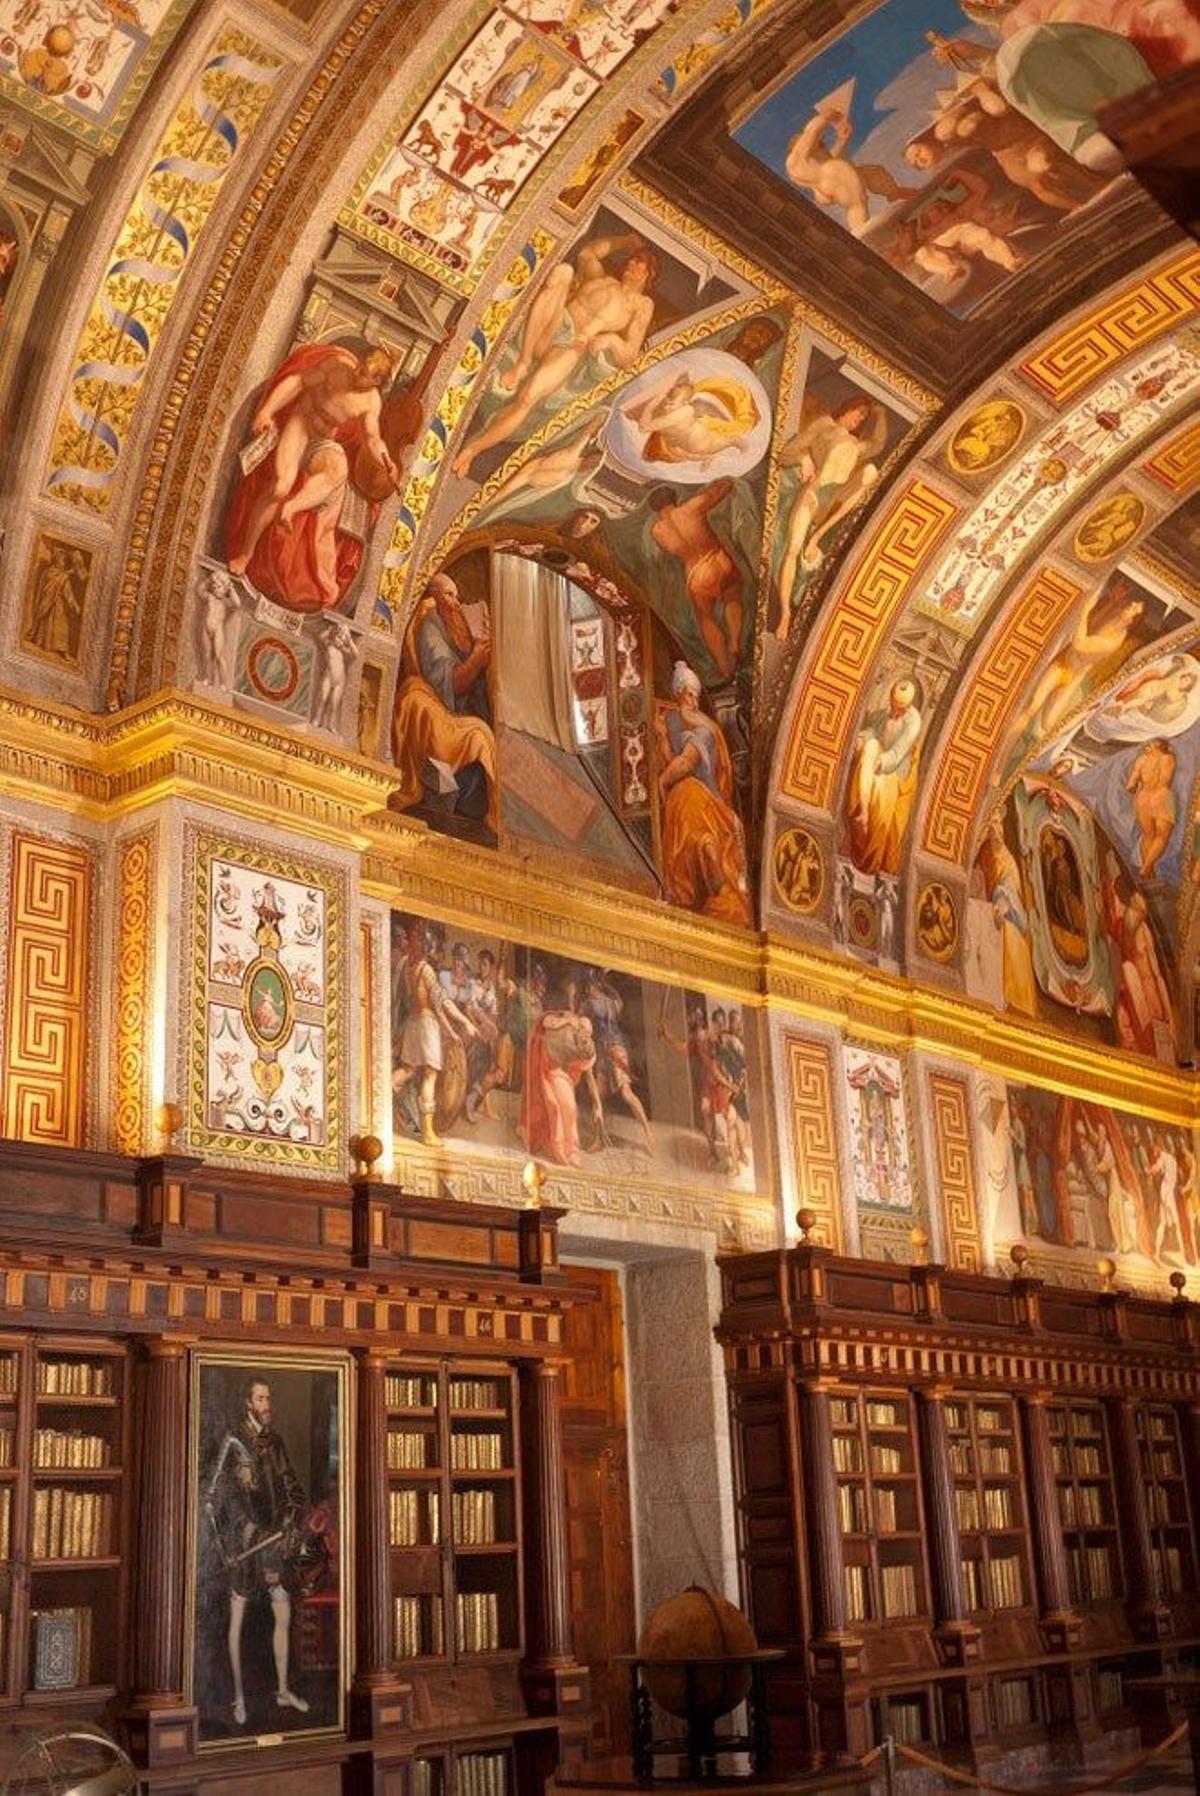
(1078,1175)
(501,1047)
(955,138)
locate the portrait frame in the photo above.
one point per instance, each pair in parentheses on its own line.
(310,1414)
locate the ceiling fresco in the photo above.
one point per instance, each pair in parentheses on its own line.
(744,453)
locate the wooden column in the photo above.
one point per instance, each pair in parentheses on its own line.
(1149,1614)
(838,1692)
(1068,1687)
(1189,1433)
(957,1637)
(381,1702)
(159,1727)
(553,1681)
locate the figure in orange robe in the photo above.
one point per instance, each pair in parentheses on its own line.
(562,1050)
(703,847)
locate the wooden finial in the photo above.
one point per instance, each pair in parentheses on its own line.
(920,1244)
(1108,1271)
(806,1222)
(366,1149)
(1018,1253)
(1178,1284)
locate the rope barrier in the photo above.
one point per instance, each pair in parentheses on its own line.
(980,1783)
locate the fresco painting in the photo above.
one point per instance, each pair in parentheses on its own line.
(878,1130)
(1060,929)
(511,1049)
(954,139)
(594,312)
(1053,470)
(1086,1176)
(84,65)
(829,466)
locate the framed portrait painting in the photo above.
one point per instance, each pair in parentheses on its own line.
(269,1482)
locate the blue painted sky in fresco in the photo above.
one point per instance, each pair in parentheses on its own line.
(897,79)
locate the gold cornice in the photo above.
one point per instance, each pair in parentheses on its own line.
(175,746)
(819,986)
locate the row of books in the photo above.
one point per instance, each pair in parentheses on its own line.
(1170,1562)
(906,1719)
(1091,1571)
(56,1448)
(474,1517)
(409,1390)
(477,1452)
(899,1586)
(405,1518)
(960,1459)
(885,1415)
(995,1459)
(1013,1703)
(1161,1462)
(886,1460)
(1081,1505)
(71,1524)
(1086,1422)
(857,1593)
(847,1453)
(409,1615)
(6,1447)
(1008,1585)
(477,1621)
(74,1378)
(996,1514)
(844,1412)
(990,1420)
(1161,1501)
(1159,1427)
(425,1777)
(1085,1461)
(6,1503)
(62,1648)
(409,1452)
(8,1374)
(482,1774)
(852,1509)
(477,1393)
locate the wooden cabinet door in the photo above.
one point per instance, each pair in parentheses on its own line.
(597,1472)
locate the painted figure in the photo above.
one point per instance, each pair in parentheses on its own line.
(315,433)
(430,1010)
(1003,887)
(55,607)
(562,1051)
(253,1502)
(883,782)
(1145,1014)
(682,530)
(584,312)
(835,452)
(685,419)
(437,716)
(703,847)
(1150,784)
(816,161)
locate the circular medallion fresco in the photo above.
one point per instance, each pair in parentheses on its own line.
(986,437)
(799,870)
(1108,527)
(937,921)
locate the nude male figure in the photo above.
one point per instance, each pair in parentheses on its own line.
(582,310)
(831,177)
(1150,784)
(336,390)
(684,532)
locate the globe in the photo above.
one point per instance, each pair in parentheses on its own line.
(697,1625)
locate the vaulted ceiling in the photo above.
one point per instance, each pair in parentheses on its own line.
(828,344)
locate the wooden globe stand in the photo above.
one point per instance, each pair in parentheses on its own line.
(701,1748)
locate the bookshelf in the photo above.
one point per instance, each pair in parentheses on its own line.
(879,1507)
(454,1515)
(1082,1459)
(62,1451)
(985,1459)
(1160,1451)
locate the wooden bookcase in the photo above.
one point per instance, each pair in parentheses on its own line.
(1086,1500)
(1160,1449)
(63,1444)
(449,1319)
(454,1511)
(965,1504)
(985,1457)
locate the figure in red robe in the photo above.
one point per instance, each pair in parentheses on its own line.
(316,433)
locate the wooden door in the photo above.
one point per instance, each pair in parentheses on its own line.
(597,1470)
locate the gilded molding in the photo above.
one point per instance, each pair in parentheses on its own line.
(134,954)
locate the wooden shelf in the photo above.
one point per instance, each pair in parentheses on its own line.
(109,1563)
(91,1694)
(460,1475)
(58,1400)
(78,1474)
(484,1549)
